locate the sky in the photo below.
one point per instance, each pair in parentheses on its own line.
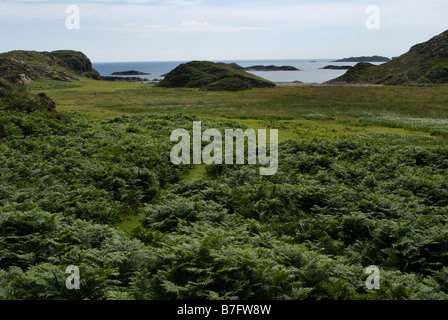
(184,30)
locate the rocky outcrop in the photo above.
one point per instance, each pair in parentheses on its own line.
(24,67)
(212,76)
(46,103)
(74,60)
(23,79)
(14,97)
(424,63)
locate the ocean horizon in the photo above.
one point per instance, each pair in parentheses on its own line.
(310,69)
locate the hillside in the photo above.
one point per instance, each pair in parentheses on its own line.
(14,97)
(16,101)
(425,63)
(364,59)
(25,67)
(212,76)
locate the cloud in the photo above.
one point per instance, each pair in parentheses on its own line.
(233,15)
(185,26)
(288,28)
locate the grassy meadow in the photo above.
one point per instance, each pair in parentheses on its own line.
(305,112)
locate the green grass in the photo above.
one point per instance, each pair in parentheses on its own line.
(298,102)
(129,223)
(196,172)
(298,112)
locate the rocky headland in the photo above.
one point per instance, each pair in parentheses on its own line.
(424,63)
(24,67)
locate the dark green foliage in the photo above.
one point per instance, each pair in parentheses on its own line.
(355,204)
(307,232)
(3,132)
(96,171)
(167,215)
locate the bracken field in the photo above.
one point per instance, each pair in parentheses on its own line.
(362,180)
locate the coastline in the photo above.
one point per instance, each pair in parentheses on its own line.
(310,72)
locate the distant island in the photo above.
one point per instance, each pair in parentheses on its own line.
(127,79)
(364,59)
(331,67)
(129,73)
(271,68)
(259,67)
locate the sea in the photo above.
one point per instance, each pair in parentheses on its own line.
(310,69)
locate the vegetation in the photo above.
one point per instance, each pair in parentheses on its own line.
(306,233)
(425,63)
(362,181)
(227,84)
(298,112)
